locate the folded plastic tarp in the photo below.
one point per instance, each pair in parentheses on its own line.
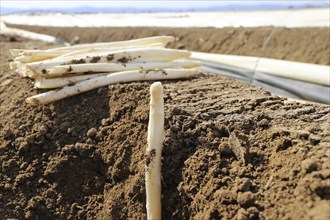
(315,89)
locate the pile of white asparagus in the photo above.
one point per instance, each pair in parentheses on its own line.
(80,68)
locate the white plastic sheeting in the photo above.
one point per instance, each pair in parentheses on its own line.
(290,79)
(314,17)
(313,73)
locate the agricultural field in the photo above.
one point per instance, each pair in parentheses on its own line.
(231,150)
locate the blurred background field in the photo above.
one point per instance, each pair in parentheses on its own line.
(217,14)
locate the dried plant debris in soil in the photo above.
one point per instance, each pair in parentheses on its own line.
(231,151)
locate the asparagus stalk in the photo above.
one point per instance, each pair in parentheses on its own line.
(135,42)
(30,59)
(42,83)
(38,55)
(154,152)
(115,67)
(103,69)
(20,52)
(25,52)
(124,56)
(13,65)
(95,51)
(28,34)
(21,69)
(126,76)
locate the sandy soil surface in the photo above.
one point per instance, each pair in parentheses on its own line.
(231,151)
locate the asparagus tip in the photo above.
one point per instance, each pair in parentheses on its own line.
(156,89)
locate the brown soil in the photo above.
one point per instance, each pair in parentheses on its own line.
(231,151)
(311,45)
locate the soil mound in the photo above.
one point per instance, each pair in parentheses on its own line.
(310,45)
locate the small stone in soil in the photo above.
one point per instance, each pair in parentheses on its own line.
(91,132)
(241,152)
(105,121)
(244,184)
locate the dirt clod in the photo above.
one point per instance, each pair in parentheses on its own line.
(242,214)
(309,165)
(110,57)
(124,60)
(150,157)
(244,184)
(283,144)
(77,61)
(245,199)
(95,59)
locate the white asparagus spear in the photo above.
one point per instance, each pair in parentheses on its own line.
(25,52)
(39,54)
(116,67)
(126,76)
(30,59)
(123,56)
(29,56)
(107,52)
(19,52)
(95,51)
(50,83)
(28,34)
(21,69)
(42,83)
(154,152)
(13,65)
(135,42)
(16,52)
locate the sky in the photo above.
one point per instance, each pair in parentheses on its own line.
(44,4)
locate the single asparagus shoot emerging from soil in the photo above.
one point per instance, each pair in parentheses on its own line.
(154,152)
